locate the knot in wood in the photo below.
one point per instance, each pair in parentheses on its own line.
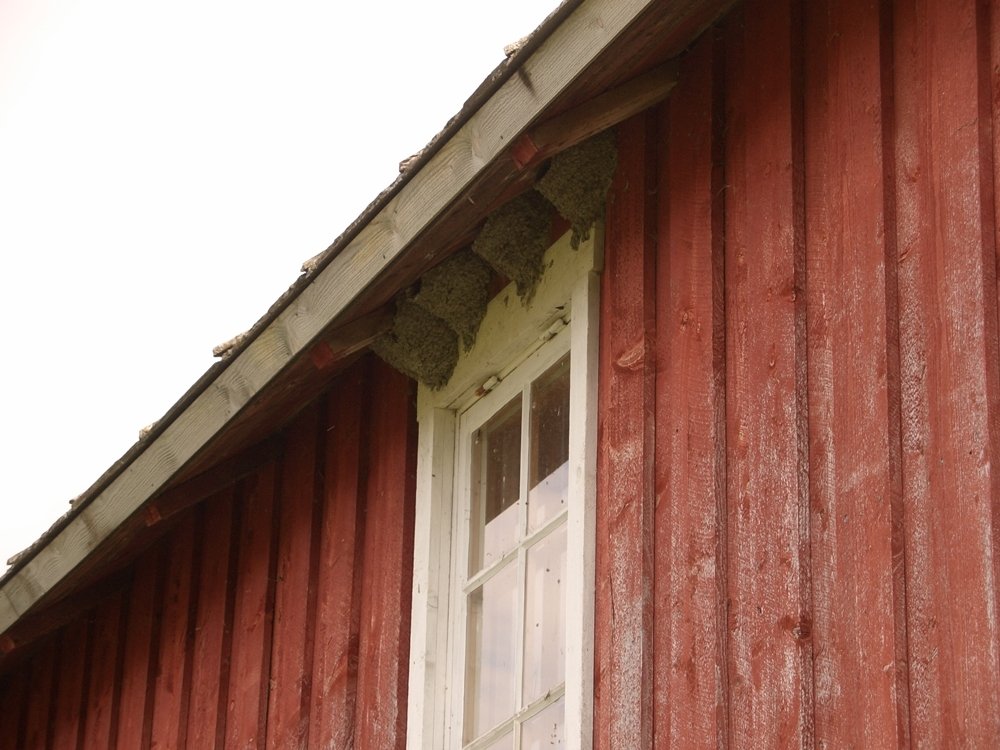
(634,357)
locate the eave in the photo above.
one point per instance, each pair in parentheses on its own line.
(487,154)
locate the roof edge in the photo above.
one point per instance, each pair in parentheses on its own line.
(499,111)
(310,269)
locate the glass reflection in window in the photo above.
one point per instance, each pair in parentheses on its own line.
(515,669)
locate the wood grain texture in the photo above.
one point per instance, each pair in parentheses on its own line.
(852,479)
(103,692)
(338,604)
(69,712)
(770,673)
(811,560)
(988,17)
(353,337)
(141,648)
(665,31)
(893,374)
(948,322)
(596,115)
(690,517)
(623,710)
(291,667)
(585,340)
(171,693)
(71,608)
(213,625)
(427,698)
(388,561)
(253,615)
(220,476)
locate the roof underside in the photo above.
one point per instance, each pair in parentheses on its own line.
(591,64)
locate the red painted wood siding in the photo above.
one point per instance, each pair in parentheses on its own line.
(798,512)
(387,572)
(826,535)
(624,650)
(690,411)
(244,625)
(338,604)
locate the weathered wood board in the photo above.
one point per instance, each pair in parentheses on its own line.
(949,360)
(384,639)
(797,493)
(213,627)
(624,594)
(854,472)
(295,600)
(338,603)
(690,517)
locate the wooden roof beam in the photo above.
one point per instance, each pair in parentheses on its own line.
(596,115)
(223,475)
(353,337)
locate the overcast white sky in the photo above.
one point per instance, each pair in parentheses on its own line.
(165,168)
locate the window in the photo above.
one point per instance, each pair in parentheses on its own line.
(501,636)
(513,467)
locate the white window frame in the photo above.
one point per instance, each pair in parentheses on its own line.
(469,422)
(565,305)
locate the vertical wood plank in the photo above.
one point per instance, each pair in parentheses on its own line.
(170,692)
(42,686)
(852,479)
(141,647)
(948,322)
(894,382)
(338,606)
(585,332)
(690,518)
(68,716)
(103,693)
(432,526)
(388,561)
(14,700)
(989,83)
(253,615)
(623,711)
(213,625)
(291,673)
(770,672)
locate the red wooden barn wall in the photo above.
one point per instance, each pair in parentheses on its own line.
(276,614)
(798,533)
(798,503)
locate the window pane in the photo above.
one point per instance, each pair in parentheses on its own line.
(504,743)
(549,475)
(490,647)
(496,478)
(545,616)
(546,729)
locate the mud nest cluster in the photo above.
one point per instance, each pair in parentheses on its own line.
(443,311)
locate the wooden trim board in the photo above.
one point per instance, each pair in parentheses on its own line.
(596,115)
(511,335)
